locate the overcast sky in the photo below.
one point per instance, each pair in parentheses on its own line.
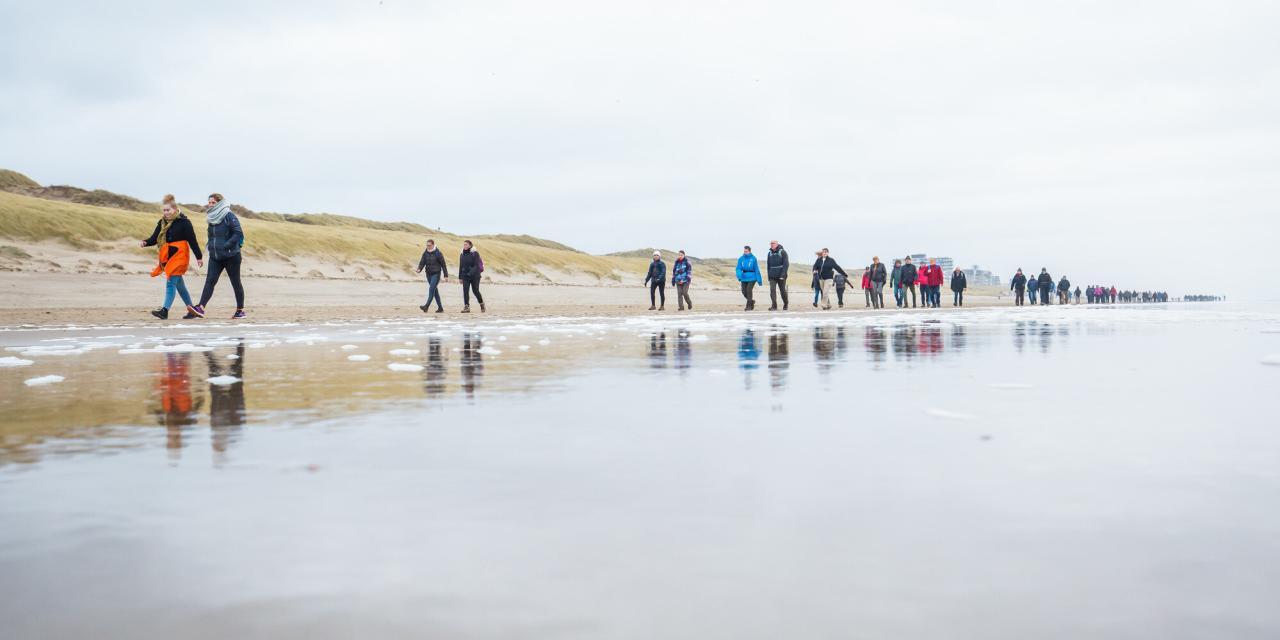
(1130,143)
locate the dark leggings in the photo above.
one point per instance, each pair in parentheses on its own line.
(469,286)
(659,288)
(216,267)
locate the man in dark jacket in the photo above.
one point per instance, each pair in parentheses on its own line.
(958,284)
(877,276)
(895,283)
(1018,284)
(777,264)
(908,281)
(1064,291)
(1046,283)
(433,263)
(825,268)
(656,280)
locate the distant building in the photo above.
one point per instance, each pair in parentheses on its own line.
(948,265)
(920,258)
(980,277)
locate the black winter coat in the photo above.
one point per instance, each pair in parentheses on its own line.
(469,265)
(433,262)
(1046,280)
(959,282)
(657,273)
(180,229)
(878,275)
(827,268)
(908,274)
(1018,282)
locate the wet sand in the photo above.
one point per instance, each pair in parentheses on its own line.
(55,299)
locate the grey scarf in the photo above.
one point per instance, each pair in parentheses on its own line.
(217,212)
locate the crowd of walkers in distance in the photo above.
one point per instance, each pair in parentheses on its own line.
(1025,289)
(916,285)
(1203,298)
(827,277)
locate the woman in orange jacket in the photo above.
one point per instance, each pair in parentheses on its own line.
(177,240)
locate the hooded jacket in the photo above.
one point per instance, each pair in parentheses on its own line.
(748,270)
(1064,285)
(958,281)
(895,278)
(866,278)
(778,263)
(932,275)
(681,271)
(1046,280)
(1018,282)
(657,272)
(176,246)
(827,268)
(432,262)
(470,265)
(1032,284)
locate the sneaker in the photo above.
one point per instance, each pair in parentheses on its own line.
(652,308)
(191,315)
(466,309)
(161,313)
(197,310)
(773,308)
(239,315)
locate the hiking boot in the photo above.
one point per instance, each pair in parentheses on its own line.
(423,307)
(651,307)
(784,306)
(239,315)
(197,310)
(440,310)
(662,307)
(161,313)
(466,309)
(482,307)
(773,308)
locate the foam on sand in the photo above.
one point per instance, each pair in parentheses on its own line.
(1273,360)
(35,382)
(404,352)
(10,361)
(223,380)
(359,357)
(488,351)
(947,415)
(400,366)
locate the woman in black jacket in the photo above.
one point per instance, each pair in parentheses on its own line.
(177,239)
(433,262)
(470,266)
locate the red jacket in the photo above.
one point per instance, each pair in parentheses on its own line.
(866,279)
(933,275)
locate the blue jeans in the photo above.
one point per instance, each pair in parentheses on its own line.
(433,291)
(175,285)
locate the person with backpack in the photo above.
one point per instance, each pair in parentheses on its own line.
(877,277)
(224,242)
(433,262)
(748,272)
(1064,291)
(778,265)
(656,280)
(958,284)
(1018,284)
(681,276)
(176,238)
(470,267)
(909,275)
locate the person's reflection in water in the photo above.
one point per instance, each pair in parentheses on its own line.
(748,355)
(930,339)
(658,350)
(472,366)
(177,408)
(824,348)
(226,401)
(436,369)
(1019,336)
(959,340)
(874,341)
(778,353)
(684,352)
(903,340)
(1046,337)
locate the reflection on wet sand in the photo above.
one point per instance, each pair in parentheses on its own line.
(436,368)
(684,351)
(176,409)
(748,355)
(226,401)
(778,355)
(658,350)
(472,365)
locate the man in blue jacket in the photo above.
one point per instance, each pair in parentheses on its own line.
(748,271)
